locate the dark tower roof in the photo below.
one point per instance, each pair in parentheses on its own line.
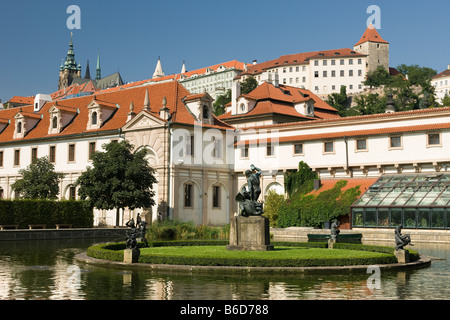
(88,72)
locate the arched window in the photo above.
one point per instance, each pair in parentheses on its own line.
(55,122)
(94,118)
(19,127)
(205,112)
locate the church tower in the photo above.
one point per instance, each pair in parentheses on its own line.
(375,47)
(69,69)
(98,71)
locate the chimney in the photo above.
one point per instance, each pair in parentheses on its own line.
(255,62)
(448,67)
(40,100)
(235,93)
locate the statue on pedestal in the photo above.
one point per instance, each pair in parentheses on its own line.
(334,230)
(401,240)
(248,199)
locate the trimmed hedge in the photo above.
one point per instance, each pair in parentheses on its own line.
(114,252)
(50,213)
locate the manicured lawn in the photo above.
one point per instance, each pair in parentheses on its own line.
(280,257)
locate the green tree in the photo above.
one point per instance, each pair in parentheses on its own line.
(39,181)
(248,85)
(446,101)
(417,75)
(340,101)
(370,103)
(272,203)
(221,102)
(118,178)
(378,77)
(301,181)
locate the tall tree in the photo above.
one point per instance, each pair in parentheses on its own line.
(39,181)
(221,101)
(417,75)
(248,85)
(340,101)
(378,77)
(119,178)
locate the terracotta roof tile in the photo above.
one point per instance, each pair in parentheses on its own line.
(173,91)
(371,34)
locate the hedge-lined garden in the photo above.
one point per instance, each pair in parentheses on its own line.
(286,254)
(48,212)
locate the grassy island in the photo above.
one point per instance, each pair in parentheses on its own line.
(286,254)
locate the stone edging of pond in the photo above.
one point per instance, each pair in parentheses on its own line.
(423,262)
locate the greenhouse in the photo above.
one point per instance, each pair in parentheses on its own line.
(413,200)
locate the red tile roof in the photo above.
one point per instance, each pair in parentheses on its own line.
(445,73)
(298,59)
(327,184)
(173,91)
(371,34)
(354,133)
(281,100)
(22,100)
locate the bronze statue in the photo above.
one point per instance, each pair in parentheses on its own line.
(401,240)
(248,199)
(131,234)
(253,183)
(334,229)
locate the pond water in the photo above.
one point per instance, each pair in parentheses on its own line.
(48,270)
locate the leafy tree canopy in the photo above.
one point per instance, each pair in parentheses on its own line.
(118,178)
(39,181)
(248,85)
(221,102)
(417,75)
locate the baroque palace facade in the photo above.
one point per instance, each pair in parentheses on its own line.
(200,159)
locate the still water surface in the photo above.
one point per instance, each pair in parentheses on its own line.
(48,270)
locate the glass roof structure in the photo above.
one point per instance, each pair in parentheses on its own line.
(408,190)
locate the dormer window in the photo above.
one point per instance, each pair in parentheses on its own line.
(19,127)
(94,117)
(55,122)
(99,113)
(60,117)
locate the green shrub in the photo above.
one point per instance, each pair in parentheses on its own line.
(173,230)
(384,255)
(48,212)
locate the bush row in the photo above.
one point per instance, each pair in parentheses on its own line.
(173,230)
(50,213)
(114,252)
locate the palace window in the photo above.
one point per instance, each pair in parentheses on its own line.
(434,139)
(361,144)
(52,154)
(91,149)
(395,142)
(328,147)
(17,157)
(34,154)
(216,196)
(71,155)
(188,200)
(298,148)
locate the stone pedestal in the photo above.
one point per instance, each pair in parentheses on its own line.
(402,255)
(131,255)
(249,234)
(331,242)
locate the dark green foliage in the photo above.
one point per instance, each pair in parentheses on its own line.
(221,102)
(312,211)
(114,252)
(301,181)
(50,213)
(176,230)
(340,101)
(119,178)
(378,77)
(39,181)
(248,85)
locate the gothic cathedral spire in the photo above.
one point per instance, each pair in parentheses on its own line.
(98,75)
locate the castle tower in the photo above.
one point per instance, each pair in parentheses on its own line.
(69,69)
(158,70)
(376,48)
(98,71)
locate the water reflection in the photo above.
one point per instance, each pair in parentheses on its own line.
(48,270)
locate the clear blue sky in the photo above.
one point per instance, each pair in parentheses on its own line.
(130,35)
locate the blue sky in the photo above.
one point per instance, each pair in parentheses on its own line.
(130,35)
